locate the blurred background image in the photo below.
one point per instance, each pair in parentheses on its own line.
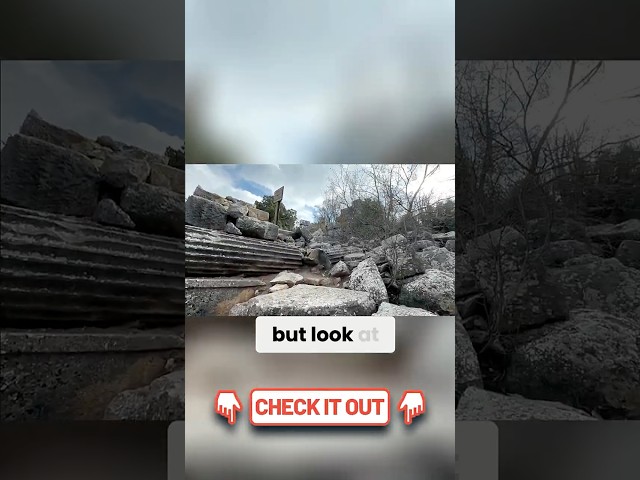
(221,355)
(281,82)
(92,237)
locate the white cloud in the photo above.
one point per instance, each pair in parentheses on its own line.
(305,185)
(283,80)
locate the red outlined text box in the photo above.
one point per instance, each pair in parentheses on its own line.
(329,407)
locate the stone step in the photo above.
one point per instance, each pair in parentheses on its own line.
(58,269)
(214,253)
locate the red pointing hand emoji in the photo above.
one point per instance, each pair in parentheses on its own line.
(227,403)
(413,404)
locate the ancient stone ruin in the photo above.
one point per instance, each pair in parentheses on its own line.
(92,266)
(239,263)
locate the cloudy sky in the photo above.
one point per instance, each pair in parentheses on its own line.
(290,81)
(139,103)
(304,185)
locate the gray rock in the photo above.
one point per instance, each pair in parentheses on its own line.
(615,234)
(318,257)
(308,300)
(167,177)
(201,192)
(539,231)
(108,142)
(252,227)
(109,213)
(467,367)
(443,238)
(394,242)
(162,400)
(450,245)
(42,176)
(120,171)
(340,269)
(591,360)
(232,229)
(278,287)
(558,252)
(139,153)
(420,245)
(403,262)
(366,278)
(433,291)
(481,405)
(390,310)
(237,210)
(288,278)
(154,209)
(204,213)
(34,126)
(466,283)
(357,256)
(628,253)
(439,259)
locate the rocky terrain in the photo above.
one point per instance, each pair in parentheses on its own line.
(92,267)
(548,322)
(238,263)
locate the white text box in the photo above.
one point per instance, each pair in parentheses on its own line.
(325,334)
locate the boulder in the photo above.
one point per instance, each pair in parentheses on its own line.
(232,229)
(277,287)
(139,153)
(558,252)
(109,213)
(120,171)
(108,142)
(394,241)
(366,278)
(340,269)
(628,253)
(204,213)
(353,259)
(308,300)
(237,210)
(539,231)
(162,400)
(252,227)
(259,214)
(481,405)
(404,263)
(390,310)
(318,257)
(35,126)
(42,176)
(591,360)
(443,238)
(288,278)
(466,283)
(202,193)
(450,245)
(167,176)
(615,234)
(420,245)
(154,209)
(467,367)
(433,291)
(439,259)
(584,282)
